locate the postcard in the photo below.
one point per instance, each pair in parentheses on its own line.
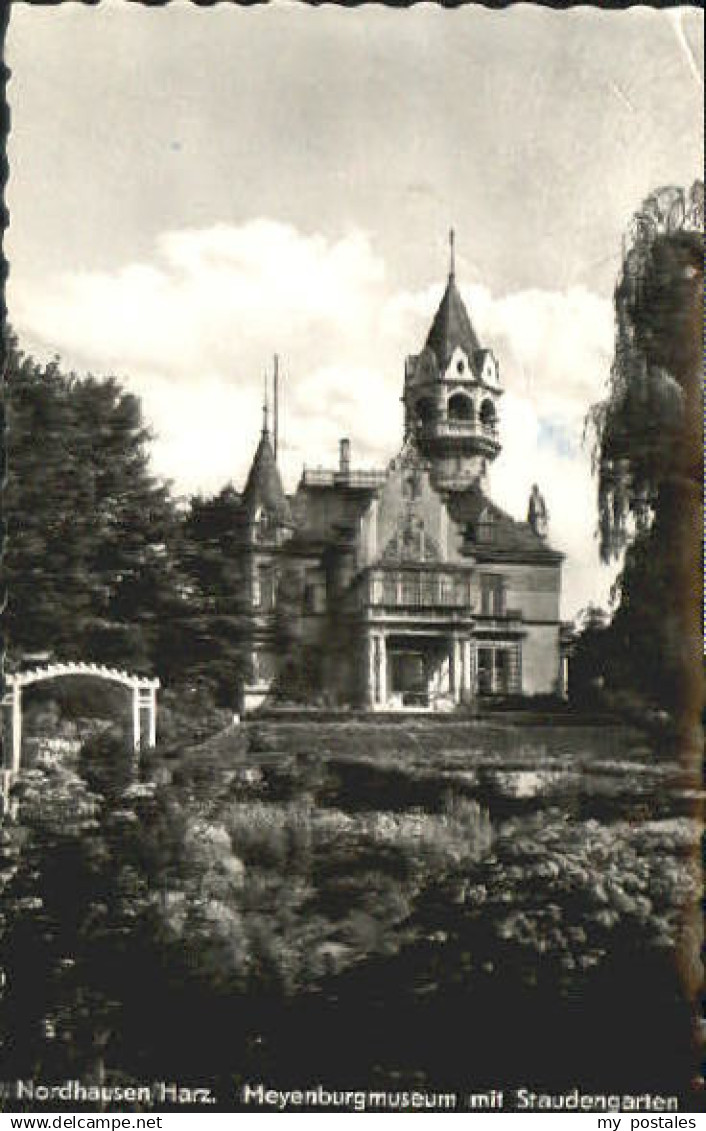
(353,654)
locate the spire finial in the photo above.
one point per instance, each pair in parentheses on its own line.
(452,254)
(265,410)
(275,406)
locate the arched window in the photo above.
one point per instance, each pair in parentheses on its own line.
(460,407)
(425,412)
(488,418)
(263,524)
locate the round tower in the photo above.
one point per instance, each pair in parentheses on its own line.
(451,396)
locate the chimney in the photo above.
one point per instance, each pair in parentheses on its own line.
(345,457)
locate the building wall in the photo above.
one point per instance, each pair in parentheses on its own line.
(534,589)
(381,520)
(322,510)
(313,593)
(540,660)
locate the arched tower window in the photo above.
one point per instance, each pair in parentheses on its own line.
(460,407)
(424,411)
(488,417)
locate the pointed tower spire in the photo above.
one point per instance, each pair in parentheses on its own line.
(265,410)
(451,392)
(275,405)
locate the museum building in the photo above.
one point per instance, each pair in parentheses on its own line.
(405,587)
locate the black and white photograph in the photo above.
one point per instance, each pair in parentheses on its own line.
(353,673)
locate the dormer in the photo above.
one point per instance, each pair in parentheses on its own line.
(487,368)
(460,367)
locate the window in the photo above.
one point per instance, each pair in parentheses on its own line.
(314,597)
(502,671)
(492,595)
(485,531)
(424,410)
(264,525)
(485,671)
(309,598)
(461,594)
(389,589)
(460,407)
(488,417)
(499,669)
(265,588)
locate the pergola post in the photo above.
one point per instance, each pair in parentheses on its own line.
(12,740)
(16,726)
(136,717)
(147,700)
(152,731)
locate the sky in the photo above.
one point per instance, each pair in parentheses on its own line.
(193,190)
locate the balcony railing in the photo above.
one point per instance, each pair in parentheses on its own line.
(320,477)
(413,590)
(446,427)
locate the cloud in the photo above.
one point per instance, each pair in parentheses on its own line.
(193,329)
(211,297)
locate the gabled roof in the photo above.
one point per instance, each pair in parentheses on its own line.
(452,328)
(264,485)
(509,538)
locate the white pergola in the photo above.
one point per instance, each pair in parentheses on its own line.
(144,700)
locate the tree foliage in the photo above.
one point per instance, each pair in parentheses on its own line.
(648,446)
(88,563)
(644,436)
(205,640)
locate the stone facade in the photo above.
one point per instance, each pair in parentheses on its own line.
(407,587)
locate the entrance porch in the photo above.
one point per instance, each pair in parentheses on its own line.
(422,671)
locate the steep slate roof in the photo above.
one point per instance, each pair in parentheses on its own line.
(452,327)
(510,538)
(264,486)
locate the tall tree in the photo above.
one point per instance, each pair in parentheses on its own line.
(205,640)
(88,563)
(648,448)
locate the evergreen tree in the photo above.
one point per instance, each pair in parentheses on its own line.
(204,640)
(89,564)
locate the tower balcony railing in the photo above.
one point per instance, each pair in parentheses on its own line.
(412,590)
(443,426)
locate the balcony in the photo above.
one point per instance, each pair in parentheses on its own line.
(366,479)
(442,428)
(412,592)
